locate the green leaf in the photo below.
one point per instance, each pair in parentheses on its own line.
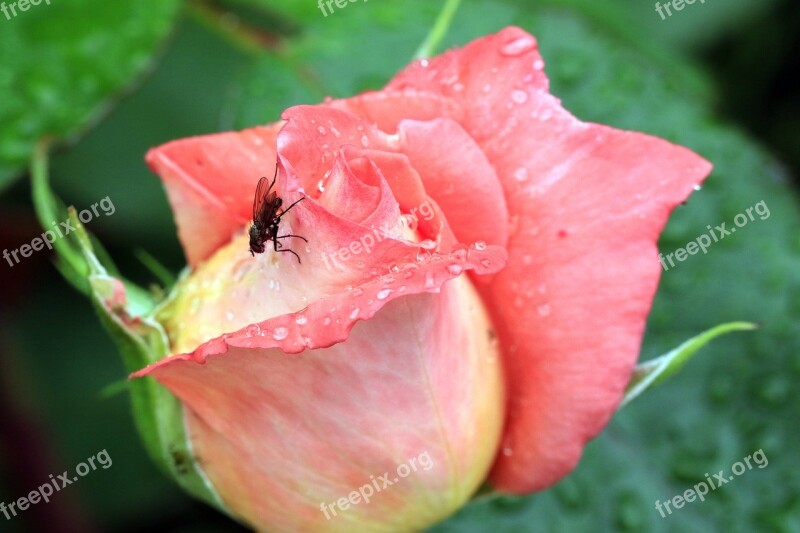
(63,63)
(655,371)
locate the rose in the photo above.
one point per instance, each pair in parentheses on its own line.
(316,378)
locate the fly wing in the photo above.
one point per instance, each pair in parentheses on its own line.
(262,189)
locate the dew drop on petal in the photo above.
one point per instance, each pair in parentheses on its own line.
(518,46)
(364,141)
(326,321)
(358,291)
(544,309)
(280,333)
(321,130)
(229,316)
(538,64)
(460,253)
(354,313)
(455,269)
(519,97)
(301,319)
(546,115)
(383,294)
(487,88)
(430,281)
(427,244)
(336,132)
(486,263)
(697,187)
(479,245)
(458,87)
(521,174)
(253,329)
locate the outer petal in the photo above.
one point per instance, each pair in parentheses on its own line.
(280,435)
(587,205)
(210,182)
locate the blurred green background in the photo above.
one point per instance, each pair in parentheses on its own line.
(111,79)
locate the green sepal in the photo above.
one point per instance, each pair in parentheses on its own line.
(657,370)
(127,311)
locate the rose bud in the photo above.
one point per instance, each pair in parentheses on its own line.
(470,291)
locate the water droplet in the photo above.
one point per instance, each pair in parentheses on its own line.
(460,253)
(364,141)
(424,63)
(486,263)
(538,64)
(336,132)
(354,313)
(326,321)
(521,174)
(358,291)
(229,316)
(519,97)
(455,269)
(321,130)
(242,270)
(458,87)
(544,309)
(383,294)
(479,245)
(253,329)
(280,333)
(301,319)
(321,185)
(401,288)
(427,244)
(546,115)
(697,187)
(430,281)
(487,88)
(518,46)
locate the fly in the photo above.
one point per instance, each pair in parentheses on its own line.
(267,215)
